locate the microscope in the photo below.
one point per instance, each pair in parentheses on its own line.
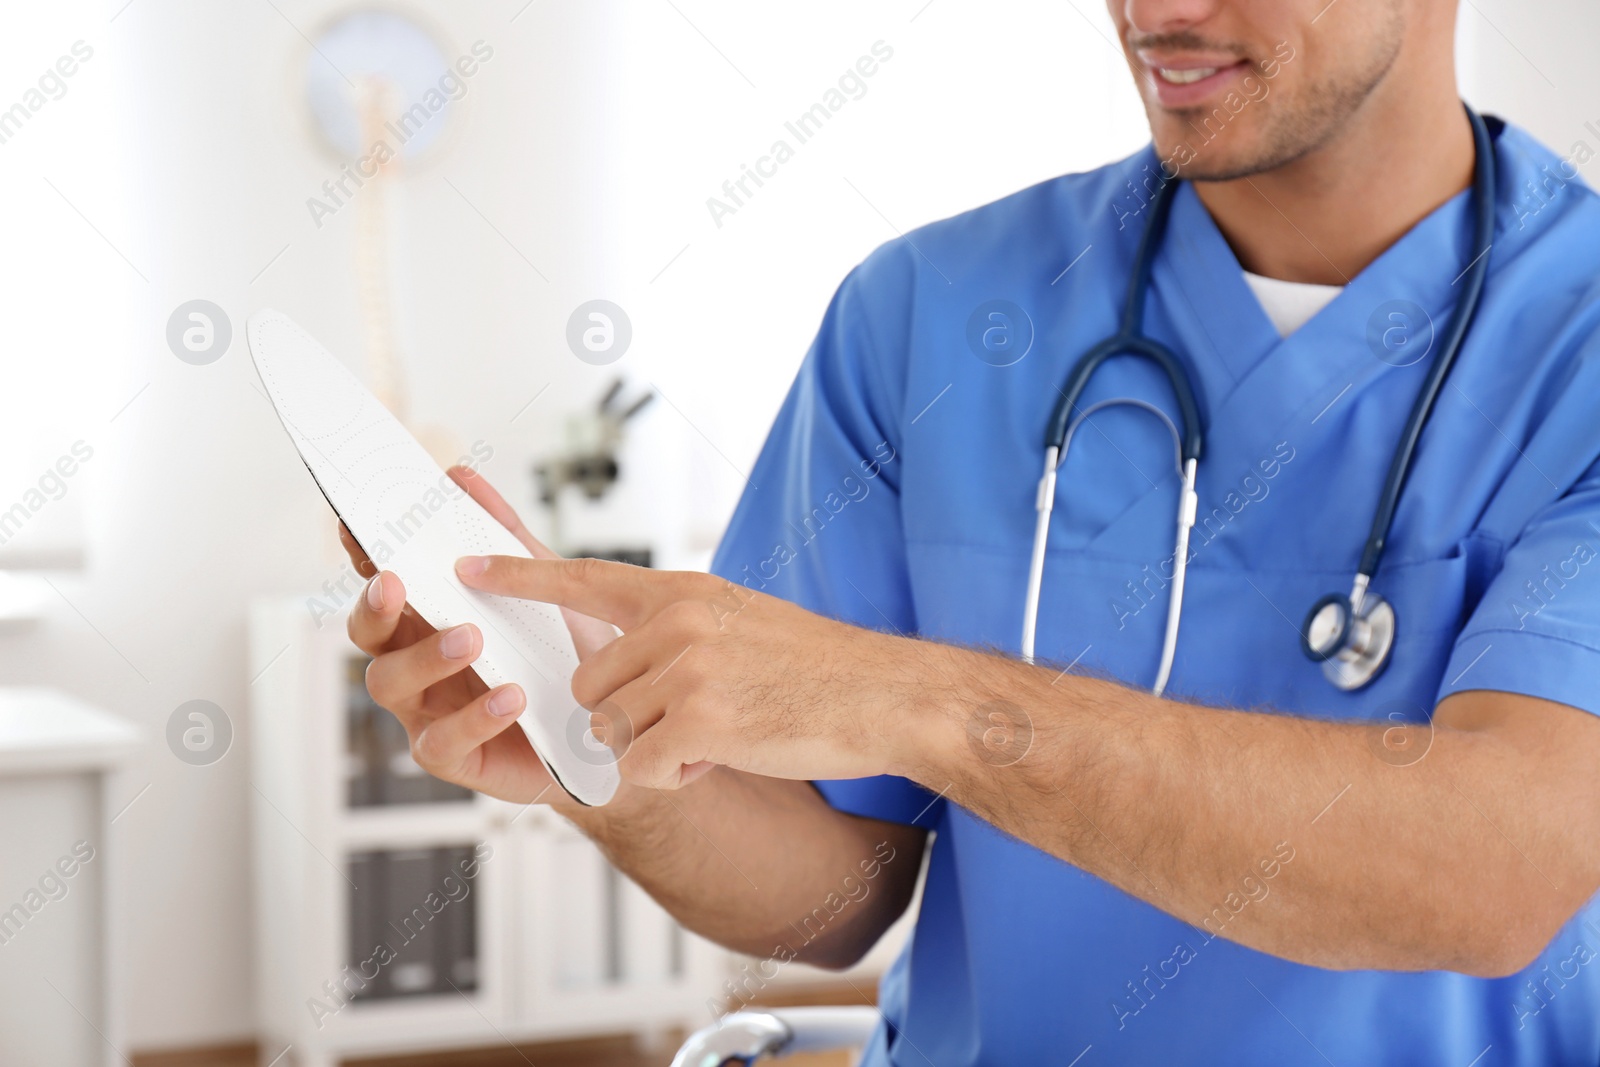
(589,462)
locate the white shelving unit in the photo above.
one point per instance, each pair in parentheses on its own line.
(565,946)
(61,917)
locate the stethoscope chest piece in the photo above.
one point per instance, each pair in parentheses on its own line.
(1350,636)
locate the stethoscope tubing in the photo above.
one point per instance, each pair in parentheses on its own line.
(1044,506)
(1190,443)
(1475,275)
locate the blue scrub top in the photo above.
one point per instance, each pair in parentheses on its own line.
(896,492)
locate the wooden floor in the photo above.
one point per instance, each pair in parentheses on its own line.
(606,1053)
(601,1052)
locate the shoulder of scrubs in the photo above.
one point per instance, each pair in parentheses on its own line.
(847,413)
(1536,629)
(820,523)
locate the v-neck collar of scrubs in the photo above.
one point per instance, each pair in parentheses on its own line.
(1252,370)
(1256,388)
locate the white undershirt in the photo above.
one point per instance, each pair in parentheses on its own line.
(1290,305)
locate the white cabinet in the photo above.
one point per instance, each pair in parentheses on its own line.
(502,923)
(58,968)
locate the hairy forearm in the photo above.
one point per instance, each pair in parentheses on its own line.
(1306,839)
(761,865)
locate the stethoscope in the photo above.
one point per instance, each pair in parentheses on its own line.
(1352,634)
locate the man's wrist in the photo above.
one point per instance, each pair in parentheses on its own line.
(935,699)
(971,714)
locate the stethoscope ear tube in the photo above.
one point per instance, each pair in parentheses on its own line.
(1188,508)
(1190,441)
(1044,505)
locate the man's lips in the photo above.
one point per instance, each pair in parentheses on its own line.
(1189,81)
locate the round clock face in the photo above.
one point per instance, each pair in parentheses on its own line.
(377,64)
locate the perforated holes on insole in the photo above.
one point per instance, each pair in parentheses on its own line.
(537,624)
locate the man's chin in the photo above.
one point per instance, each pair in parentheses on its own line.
(1221,169)
(1223,158)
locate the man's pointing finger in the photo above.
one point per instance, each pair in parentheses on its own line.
(619,593)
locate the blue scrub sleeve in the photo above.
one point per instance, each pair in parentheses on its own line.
(1536,631)
(819,523)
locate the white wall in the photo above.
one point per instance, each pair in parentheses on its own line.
(592,141)
(977,101)
(1534,65)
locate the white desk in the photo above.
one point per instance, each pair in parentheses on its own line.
(58,1005)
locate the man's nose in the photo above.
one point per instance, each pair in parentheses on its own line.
(1161,16)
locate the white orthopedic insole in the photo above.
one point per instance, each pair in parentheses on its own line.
(412,519)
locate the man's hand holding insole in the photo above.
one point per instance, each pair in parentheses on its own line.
(459,728)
